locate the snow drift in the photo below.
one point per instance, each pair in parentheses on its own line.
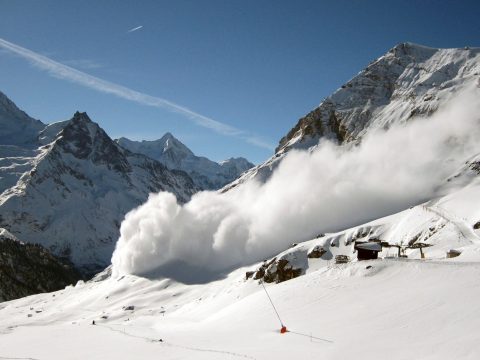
(327,189)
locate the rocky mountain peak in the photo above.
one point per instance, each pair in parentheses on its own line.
(81,117)
(84,139)
(170,142)
(409,80)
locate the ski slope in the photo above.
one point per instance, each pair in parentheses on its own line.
(395,307)
(400,308)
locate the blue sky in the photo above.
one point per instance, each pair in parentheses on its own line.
(254,66)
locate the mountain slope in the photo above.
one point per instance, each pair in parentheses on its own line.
(18,142)
(81,186)
(408,81)
(27,269)
(16,127)
(206,174)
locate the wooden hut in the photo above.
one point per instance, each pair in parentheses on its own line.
(367,250)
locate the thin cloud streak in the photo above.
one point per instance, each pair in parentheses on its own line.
(135,29)
(68,73)
(83,63)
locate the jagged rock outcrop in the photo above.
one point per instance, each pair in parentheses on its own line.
(277,271)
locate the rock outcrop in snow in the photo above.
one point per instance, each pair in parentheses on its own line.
(207,174)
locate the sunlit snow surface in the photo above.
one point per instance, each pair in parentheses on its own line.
(400,308)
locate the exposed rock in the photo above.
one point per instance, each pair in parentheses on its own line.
(452,253)
(277,271)
(475,166)
(342,259)
(281,271)
(317,252)
(249,274)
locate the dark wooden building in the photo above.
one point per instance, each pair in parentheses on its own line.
(367,250)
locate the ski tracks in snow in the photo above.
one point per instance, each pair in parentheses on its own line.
(463,227)
(169,344)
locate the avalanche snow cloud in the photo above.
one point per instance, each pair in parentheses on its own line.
(330,188)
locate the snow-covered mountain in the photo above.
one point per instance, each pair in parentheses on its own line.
(71,193)
(16,127)
(206,174)
(18,142)
(409,81)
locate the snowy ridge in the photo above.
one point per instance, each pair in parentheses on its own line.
(409,81)
(206,174)
(16,127)
(77,189)
(18,139)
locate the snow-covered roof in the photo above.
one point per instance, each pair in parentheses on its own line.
(373,246)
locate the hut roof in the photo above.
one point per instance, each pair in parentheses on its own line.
(372,246)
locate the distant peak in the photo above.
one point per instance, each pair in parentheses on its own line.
(81,116)
(168,134)
(155,148)
(170,142)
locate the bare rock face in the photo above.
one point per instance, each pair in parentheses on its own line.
(317,252)
(280,271)
(275,271)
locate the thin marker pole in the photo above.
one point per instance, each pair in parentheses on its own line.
(271,302)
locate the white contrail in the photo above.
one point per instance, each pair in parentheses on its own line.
(135,28)
(65,72)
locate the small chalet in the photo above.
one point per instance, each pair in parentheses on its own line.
(367,250)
